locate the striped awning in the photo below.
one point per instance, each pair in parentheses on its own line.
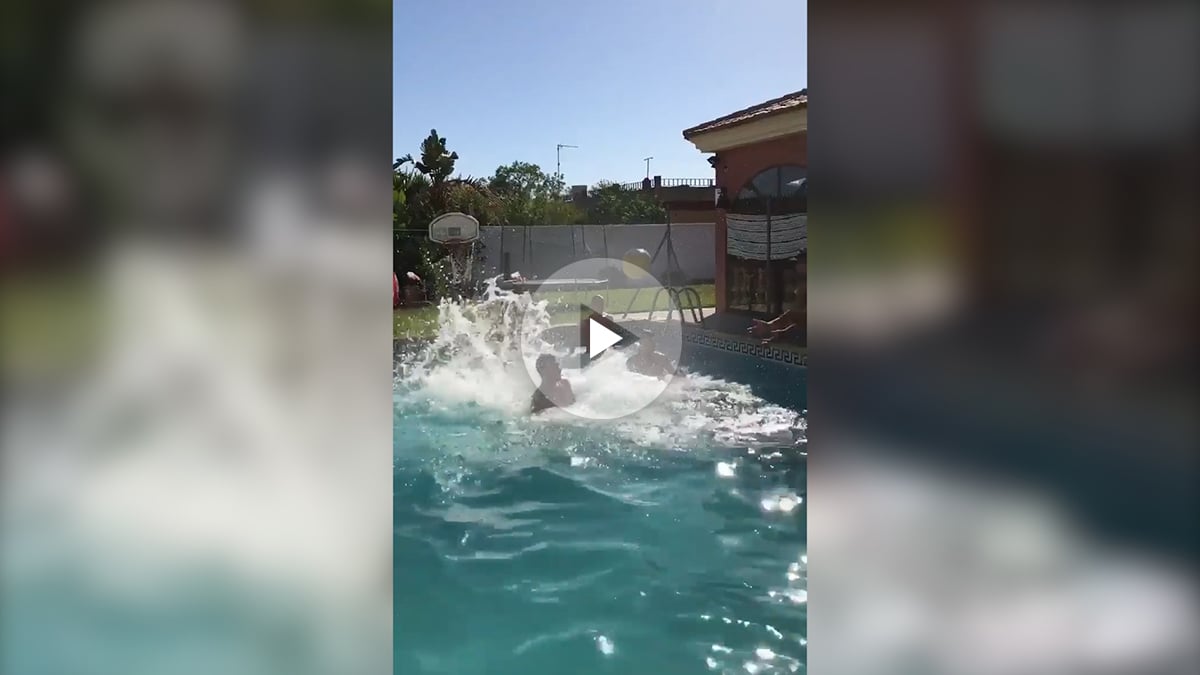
(760,237)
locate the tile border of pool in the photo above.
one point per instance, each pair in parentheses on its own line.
(738,345)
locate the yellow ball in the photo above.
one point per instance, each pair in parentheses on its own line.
(637,263)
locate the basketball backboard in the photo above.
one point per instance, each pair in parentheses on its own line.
(454,227)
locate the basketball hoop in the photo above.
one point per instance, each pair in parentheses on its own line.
(457,232)
(461,257)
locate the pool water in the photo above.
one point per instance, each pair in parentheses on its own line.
(672,541)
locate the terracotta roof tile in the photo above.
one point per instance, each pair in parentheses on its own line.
(774,106)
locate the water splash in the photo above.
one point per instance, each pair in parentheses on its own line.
(476,368)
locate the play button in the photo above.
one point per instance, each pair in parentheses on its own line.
(604,333)
(602,338)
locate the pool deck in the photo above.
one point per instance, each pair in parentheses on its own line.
(718,334)
(661,315)
(725,333)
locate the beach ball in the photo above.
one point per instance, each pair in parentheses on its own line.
(637,263)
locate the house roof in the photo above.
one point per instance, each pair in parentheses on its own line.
(775,106)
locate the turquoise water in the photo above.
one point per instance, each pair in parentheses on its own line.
(671,541)
(582,554)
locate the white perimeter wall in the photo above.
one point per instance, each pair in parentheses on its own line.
(554,246)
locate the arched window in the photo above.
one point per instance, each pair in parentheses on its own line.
(788,181)
(765,285)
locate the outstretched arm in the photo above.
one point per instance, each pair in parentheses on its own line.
(784,321)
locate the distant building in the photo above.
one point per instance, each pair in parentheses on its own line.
(687,200)
(761,164)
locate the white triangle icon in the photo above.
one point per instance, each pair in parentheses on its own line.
(600,338)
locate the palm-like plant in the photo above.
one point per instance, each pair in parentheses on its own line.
(423,189)
(437,162)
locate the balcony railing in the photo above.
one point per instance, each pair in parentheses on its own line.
(672,182)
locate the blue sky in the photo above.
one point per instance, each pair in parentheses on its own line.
(507,81)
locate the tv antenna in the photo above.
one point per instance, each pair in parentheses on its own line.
(558,157)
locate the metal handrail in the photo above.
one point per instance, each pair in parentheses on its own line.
(654,303)
(677,296)
(695,307)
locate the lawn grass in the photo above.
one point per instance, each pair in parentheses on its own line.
(417,322)
(48,323)
(422,321)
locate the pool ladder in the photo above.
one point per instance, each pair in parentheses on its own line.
(684,298)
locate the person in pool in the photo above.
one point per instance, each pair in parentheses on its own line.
(554,390)
(650,361)
(597,305)
(585,325)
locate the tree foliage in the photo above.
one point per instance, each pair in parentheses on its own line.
(530,196)
(516,194)
(437,162)
(525,179)
(611,204)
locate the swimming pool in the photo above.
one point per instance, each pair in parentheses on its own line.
(672,541)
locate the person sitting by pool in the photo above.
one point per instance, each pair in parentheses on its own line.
(554,390)
(780,325)
(650,361)
(793,331)
(789,324)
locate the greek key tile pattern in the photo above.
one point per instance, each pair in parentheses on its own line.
(703,338)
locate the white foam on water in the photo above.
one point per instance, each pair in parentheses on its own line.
(477,363)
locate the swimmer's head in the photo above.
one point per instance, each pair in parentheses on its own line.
(548,368)
(646,344)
